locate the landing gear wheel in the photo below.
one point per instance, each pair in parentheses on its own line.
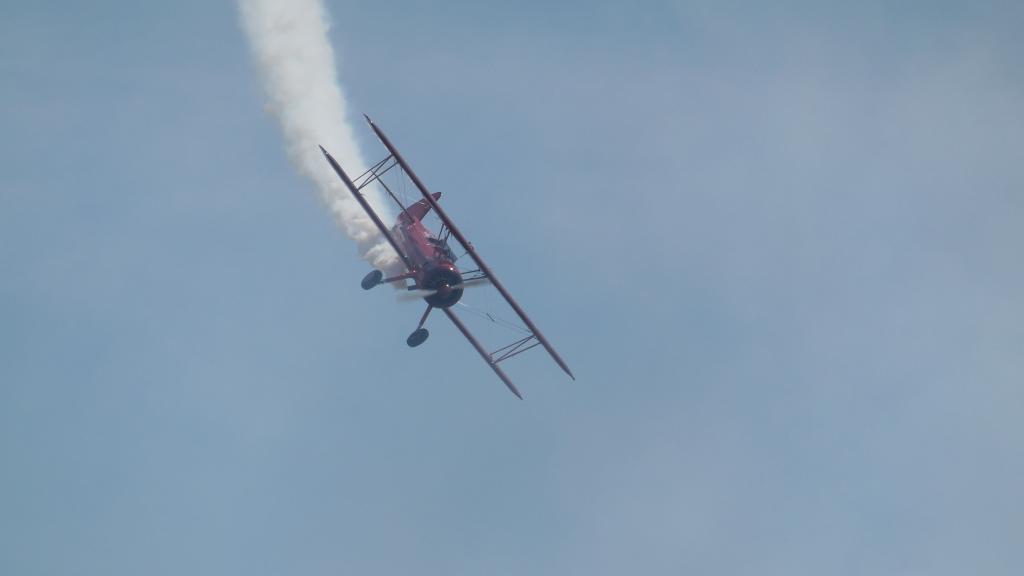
(372,279)
(418,337)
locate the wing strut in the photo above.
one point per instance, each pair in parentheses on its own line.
(476,258)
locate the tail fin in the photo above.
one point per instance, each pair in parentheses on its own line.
(419,209)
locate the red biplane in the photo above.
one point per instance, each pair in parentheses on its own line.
(429,261)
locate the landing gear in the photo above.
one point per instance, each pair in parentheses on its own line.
(418,337)
(372,279)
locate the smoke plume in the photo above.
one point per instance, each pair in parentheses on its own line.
(289,43)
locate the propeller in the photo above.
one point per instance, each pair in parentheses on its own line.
(419,294)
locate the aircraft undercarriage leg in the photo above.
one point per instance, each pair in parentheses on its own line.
(376,278)
(419,336)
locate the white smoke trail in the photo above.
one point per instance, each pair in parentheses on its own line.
(289,42)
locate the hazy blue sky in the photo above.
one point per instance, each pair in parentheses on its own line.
(780,247)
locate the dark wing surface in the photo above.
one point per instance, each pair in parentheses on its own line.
(358,195)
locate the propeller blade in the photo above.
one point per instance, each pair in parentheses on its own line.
(414,295)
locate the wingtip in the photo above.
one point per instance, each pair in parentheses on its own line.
(565,368)
(514,390)
(368,121)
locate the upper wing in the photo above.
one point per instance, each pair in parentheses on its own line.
(502,353)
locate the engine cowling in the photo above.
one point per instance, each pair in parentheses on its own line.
(442,280)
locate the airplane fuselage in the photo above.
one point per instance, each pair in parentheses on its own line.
(432,262)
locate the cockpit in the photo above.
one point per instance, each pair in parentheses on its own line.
(443,247)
